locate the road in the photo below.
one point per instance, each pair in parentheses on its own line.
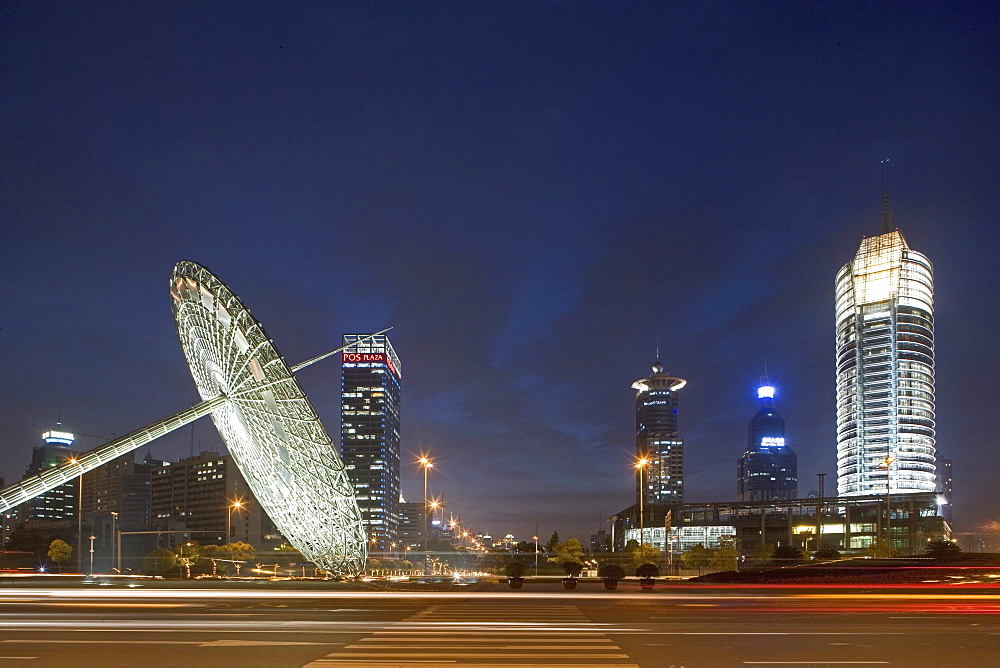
(539,625)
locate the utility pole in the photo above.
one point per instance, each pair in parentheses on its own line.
(819,513)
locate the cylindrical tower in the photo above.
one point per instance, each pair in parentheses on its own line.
(885,369)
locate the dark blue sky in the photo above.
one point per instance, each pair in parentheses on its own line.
(531,193)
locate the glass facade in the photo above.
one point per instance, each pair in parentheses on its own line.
(885,369)
(370,433)
(657,440)
(768,468)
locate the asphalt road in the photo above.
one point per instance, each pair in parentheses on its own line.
(539,625)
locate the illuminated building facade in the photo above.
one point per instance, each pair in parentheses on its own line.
(768,469)
(56,507)
(370,433)
(885,368)
(197,494)
(657,440)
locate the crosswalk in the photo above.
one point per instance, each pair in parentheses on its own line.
(468,634)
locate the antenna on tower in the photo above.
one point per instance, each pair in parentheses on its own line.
(657,349)
(886,211)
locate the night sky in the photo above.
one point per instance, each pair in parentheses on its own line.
(531,193)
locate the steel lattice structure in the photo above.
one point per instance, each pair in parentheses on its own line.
(268,424)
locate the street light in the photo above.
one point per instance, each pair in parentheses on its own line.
(641,464)
(535,538)
(427,465)
(92,555)
(115,542)
(235,505)
(79,517)
(887,465)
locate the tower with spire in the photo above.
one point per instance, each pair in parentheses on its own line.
(657,440)
(885,366)
(768,468)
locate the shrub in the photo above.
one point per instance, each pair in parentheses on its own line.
(514,569)
(647,571)
(610,571)
(572,568)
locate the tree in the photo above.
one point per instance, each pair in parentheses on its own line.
(572,568)
(610,571)
(880,549)
(826,554)
(159,562)
(647,571)
(239,552)
(514,569)
(698,557)
(942,550)
(761,552)
(553,541)
(59,551)
(636,555)
(187,554)
(786,553)
(726,557)
(569,552)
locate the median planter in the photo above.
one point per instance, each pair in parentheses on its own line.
(612,573)
(514,570)
(646,574)
(572,568)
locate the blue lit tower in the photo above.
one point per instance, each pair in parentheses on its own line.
(58,505)
(370,433)
(768,469)
(657,439)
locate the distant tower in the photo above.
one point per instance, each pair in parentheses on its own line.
(885,367)
(657,439)
(768,469)
(369,431)
(58,506)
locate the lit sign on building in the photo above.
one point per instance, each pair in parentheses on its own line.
(772,442)
(765,392)
(380,358)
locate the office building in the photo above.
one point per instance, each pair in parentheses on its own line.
(768,468)
(196,496)
(885,367)
(657,441)
(370,433)
(56,508)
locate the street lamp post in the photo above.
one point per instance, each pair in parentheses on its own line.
(92,555)
(427,465)
(887,465)
(235,505)
(641,465)
(535,538)
(79,517)
(116,554)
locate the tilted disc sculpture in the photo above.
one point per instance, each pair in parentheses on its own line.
(270,427)
(268,424)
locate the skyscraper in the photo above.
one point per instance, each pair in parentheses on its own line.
(657,440)
(58,506)
(768,469)
(885,367)
(370,432)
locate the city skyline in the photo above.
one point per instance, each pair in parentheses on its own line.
(531,197)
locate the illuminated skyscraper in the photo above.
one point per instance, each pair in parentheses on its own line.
(58,506)
(370,433)
(657,439)
(768,468)
(885,367)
